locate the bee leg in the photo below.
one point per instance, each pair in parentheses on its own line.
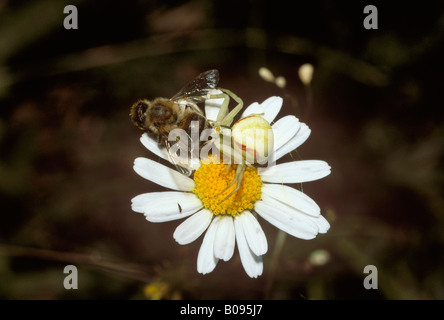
(237,180)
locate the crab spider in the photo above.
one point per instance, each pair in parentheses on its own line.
(251,138)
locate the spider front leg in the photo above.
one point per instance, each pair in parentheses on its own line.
(224,119)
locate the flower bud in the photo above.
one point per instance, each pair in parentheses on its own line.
(281,82)
(306,73)
(253,137)
(319,257)
(266,74)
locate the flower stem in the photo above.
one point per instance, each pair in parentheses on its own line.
(279,244)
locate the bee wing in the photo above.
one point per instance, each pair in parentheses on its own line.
(199,86)
(178,154)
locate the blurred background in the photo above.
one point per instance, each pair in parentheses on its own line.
(67,145)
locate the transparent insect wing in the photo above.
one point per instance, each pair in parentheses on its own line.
(179,155)
(179,162)
(199,86)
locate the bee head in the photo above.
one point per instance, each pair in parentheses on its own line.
(138,114)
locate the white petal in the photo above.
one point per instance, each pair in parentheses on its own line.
(295,171)
(166,206)
(286,218)
(292,197)
(193,227)
(252,263)
(322,224)
(206,261)
(163,176)
(153,146)
(225,239)
(254,108)
(284,129)
(270,108)
(254,234)
(298,139)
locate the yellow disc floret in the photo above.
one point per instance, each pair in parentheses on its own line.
(212,178)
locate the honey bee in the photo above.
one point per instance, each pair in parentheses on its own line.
(161,116)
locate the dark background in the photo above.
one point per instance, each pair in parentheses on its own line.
(67,145)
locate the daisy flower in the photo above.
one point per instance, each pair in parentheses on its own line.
(234,221)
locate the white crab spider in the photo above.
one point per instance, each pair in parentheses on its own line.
(250,139)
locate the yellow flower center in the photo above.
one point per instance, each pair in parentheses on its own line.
(212,178)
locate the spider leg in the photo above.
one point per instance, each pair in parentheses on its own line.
(228,119)
(223,108)
(224,119)
(237,180)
